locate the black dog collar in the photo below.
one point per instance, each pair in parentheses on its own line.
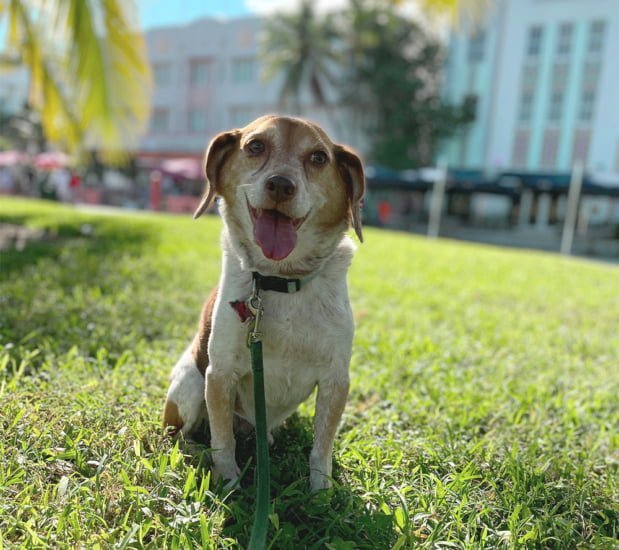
(281,284)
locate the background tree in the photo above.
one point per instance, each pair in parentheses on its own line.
(388,76)
(22,130)
(89,75)
(392,85)
(299,47)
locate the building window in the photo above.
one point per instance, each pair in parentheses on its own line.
(555,111)
(162,74)
(534,42)
(559,76)
(597,31)
(564,45)
(580,148)
(243,70)
(526,107)
(591,76)
(199,72)
(587,103)
(162,45)
(471,103)
(160,121)
(244,38)
(529,77)
(240,116)
(476,47)
(521,148)
(549,149)
(196,120)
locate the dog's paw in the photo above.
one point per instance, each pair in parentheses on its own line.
(172,420)
(185,408)
(182,419)
(319,481)
(227,473)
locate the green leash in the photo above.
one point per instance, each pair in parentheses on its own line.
(254,341)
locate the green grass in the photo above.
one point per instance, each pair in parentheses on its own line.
(483,410)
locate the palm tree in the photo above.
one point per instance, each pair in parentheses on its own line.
(300,46)
(89,75)
(308,50)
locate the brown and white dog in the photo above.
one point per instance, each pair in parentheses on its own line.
(288,197)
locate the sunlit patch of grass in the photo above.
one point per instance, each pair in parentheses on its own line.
(483,408)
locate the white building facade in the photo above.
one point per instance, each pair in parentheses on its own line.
(208,78)
(545,76)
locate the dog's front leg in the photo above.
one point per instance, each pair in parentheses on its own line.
(330,402)
(220,393)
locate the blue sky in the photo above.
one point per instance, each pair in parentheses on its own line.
(156,13)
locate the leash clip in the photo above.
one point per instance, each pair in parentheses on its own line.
(254,303)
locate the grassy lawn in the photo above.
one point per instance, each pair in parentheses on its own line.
(483,410)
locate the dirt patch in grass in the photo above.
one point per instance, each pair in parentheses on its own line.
(17,237)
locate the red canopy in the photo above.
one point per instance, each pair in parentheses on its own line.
(51,160)
(187,168)
(11,158)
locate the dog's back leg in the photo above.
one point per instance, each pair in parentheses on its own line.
(185,406)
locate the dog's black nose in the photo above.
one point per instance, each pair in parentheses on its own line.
(280,188)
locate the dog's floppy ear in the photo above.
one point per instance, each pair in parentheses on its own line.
(351,171)
(218,150)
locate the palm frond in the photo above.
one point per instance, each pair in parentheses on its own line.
(109,65)
(90,77)
(46,90)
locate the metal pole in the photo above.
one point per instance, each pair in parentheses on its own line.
(436,200)
(571,213)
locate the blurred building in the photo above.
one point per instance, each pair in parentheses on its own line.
(545,77)
(208,78)
(14,84)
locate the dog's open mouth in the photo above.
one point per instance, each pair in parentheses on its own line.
(274,232)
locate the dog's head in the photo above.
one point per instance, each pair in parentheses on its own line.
(289,193)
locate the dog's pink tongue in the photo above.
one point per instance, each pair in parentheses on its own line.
(275,234)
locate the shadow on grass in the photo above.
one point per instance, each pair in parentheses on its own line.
(338,517)
(64,290)
(94,237)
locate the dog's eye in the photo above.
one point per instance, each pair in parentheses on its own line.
(319,158)
(255,147)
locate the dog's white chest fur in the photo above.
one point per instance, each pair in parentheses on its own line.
(307,335)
